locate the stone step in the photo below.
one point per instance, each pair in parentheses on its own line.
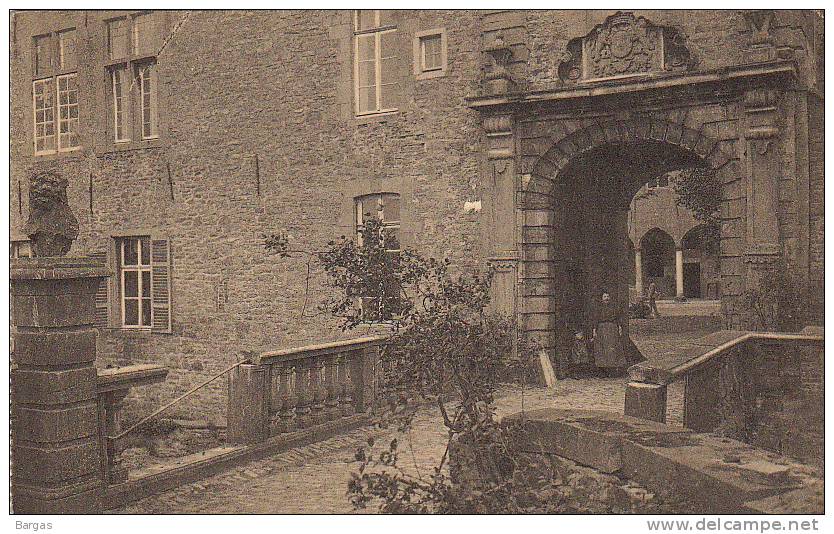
(719,474)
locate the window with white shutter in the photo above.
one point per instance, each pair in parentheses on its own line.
(144,283)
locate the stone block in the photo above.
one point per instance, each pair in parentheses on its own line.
(46,465)
(645,401)
(33,386)
(82,497)
(46,349)
(56,425)
(53,310)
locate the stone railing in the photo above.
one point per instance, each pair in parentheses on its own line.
(112,386)
(286,390)
(752,385)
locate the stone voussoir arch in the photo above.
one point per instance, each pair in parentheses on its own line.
(688,134)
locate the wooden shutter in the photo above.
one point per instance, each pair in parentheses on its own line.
(102,294)
(161,285)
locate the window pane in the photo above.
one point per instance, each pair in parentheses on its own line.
(43,101)
(120,84)
(391,237)
(146,250)
(146,283)
(366,45)
(391,208)
(131,279)
(117,38)
(388,96)
(365,19)
(386,17)
(42,57)
(67,50)
(131,312)
(68,111)
(146,312)
(367,99)
(131,252)
(147,79)
(145,40)
(367,73)
(431,52)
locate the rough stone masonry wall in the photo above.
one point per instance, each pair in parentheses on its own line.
(236,84)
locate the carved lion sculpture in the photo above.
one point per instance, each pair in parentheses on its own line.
(51,227)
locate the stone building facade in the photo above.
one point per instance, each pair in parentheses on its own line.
(186,135)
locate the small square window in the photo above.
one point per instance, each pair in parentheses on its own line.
(430,54)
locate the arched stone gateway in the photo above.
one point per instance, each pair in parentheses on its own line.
(562,167)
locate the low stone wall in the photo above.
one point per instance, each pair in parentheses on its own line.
(601,462)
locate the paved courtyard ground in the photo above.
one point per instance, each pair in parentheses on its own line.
(313,479)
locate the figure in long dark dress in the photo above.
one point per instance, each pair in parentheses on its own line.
(608,341)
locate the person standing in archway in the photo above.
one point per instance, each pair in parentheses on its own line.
(608,337)
(652,296)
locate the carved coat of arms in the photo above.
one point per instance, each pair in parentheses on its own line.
(624,45)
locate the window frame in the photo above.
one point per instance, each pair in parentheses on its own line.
(53,73)
(376,31)
(420,70)
(141,269)
(136,60)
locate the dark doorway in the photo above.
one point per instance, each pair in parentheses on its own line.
(692,280)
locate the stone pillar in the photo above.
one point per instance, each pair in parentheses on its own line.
(679,272)
(56,455)
(638,270)
(249,400)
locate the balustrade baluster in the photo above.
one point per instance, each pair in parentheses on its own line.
(302,390)
(344,386)
(317,390)
(286,404)
(332,401)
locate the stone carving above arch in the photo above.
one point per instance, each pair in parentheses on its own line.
(624,45)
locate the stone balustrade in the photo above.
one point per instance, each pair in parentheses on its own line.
(112,386)
(286,390)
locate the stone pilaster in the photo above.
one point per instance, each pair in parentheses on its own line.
(763,168)
(502,228)
(56,455)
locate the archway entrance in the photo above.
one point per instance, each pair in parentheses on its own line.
(658,250)
(591,248)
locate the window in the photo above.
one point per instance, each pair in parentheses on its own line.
(135,281)
(55,106)
(120,82)
(66,50)
(375,68)
(138,297)
(20,249)
(133,43)
(660,181)
(117,38)
(430,54)
(385,207)
(145,35)
(147,99)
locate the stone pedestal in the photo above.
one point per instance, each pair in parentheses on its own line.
(56,456)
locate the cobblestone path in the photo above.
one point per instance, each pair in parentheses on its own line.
(313,479)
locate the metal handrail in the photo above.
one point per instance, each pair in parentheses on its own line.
(178,399)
